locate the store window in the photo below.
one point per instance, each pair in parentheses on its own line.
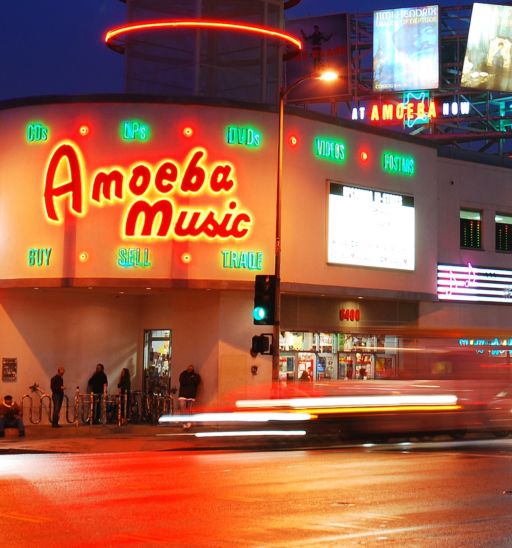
(470,229)
(324,357)
(503,225)
(157,362)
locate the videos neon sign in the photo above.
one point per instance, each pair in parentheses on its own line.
(150,192)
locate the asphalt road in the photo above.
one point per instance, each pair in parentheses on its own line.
(439,494)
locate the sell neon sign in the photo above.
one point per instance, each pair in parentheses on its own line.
(151,193)
(471,284)
(133,257)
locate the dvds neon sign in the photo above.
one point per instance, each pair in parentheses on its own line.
(150,193)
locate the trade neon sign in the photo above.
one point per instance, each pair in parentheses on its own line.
(151,195)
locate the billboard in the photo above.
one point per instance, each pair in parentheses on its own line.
(369,227)
(487,63)
(406,49)
(324,46)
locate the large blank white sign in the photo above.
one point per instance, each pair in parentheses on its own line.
(370,228)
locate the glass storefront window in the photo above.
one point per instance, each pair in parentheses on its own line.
(337,356)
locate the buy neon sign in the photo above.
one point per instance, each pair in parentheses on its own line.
(150,193)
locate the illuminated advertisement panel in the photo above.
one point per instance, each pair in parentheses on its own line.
(468,283)
(369,227)
(406,49)
(141,191)
(324,46)
(487,63)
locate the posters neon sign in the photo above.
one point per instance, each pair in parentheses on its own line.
(150,193)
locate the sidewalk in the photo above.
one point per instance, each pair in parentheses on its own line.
(95,439)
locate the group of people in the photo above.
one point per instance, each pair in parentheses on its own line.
(10,413)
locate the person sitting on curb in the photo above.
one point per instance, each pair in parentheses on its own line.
(10,417)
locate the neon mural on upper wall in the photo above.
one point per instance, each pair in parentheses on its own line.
(472,284)
(151,212)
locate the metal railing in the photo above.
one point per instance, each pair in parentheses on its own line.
(89,408)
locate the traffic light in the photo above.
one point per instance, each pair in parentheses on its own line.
(261,345)
(264,300)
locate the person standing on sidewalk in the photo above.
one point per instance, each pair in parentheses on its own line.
(125,387)
(98,386)
(189,382)
(57,386)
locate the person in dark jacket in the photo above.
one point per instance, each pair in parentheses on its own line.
(189,381)
(10,416)
(98,384)
(57,386)
(124,386)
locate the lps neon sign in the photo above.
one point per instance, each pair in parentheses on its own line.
(150,192)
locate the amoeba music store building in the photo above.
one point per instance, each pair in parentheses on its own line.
(131,233)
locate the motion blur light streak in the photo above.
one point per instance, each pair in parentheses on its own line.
(430,400)
(238,417)
(251,433)
(384,409)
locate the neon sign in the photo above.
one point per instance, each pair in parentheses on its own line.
(151,193)
(415,109)
(39,256)
(264,32)
(37,132)
(134,130)
(398,164)
(243,136)
(329,149)
(249,260)
(471,284)
(133,257)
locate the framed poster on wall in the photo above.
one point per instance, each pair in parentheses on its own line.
(9,369)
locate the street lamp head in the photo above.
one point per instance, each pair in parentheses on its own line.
(328,75)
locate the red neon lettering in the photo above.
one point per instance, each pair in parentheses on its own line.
(166,174)
(194,175)
(196,223)
(220,179)
(139,173)
(150,212)
(65,153)
(102,185)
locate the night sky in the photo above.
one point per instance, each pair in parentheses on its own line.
(56,46)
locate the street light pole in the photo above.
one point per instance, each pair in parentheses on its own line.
(327,75)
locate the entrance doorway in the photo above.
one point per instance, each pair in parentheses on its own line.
(157,362)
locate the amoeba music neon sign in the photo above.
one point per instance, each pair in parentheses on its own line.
(471,284)
(147,216)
